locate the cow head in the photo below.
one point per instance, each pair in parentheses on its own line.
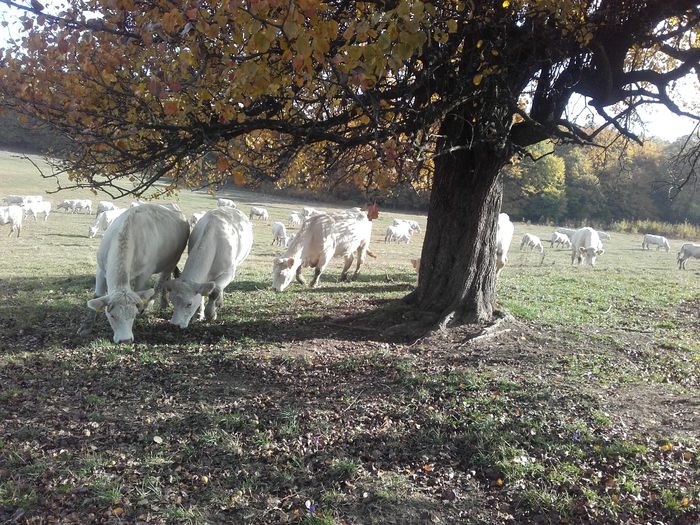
(93,231)
(121,309)
(186,297)
(589,254)
(283,269)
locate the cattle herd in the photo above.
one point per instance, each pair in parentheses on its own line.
(147,239)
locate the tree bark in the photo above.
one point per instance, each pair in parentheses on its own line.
(457,271)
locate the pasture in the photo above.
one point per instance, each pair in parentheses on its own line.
(290,408)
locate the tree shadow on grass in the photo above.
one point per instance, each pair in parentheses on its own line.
(42,312)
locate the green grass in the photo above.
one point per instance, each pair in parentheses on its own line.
(582,411)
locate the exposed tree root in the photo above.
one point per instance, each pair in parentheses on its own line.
(493,330)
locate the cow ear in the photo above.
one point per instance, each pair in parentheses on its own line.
(99,303)
(290,262)
(600,252)
(581,249)
(205,288)
(145,295)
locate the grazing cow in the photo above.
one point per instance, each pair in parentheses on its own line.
(219,243)
(142,241)
(560,239)
(687,251)
(566,231)
(659,240)
(104,220)
(504,236)
(294,219)
(279,234)
(259,213)
(13,215)
(75,205)
(13,199)
(321,238)
(225,202)
(413,226)
(585,246)
(531,241)
(398,234)
(35,208)
(307,212)
(196,217)
(105,206)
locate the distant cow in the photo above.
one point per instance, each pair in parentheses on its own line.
(398,233)
(259,213)
(585,246)
(225,202)
(279,234)
(504,236)
(105,206)
(104,221)
(13,216)
(560,239)
(413,226)
(75,205)
(659,240)
(531,241)
(294,219)
(566,231)
(36,208)
(219,243)
(142,241)
(196,217)
(687,251)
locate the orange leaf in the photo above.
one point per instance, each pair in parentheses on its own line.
(170,107)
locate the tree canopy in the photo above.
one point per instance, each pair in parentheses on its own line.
(442,93)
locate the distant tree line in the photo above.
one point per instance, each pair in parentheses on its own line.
(574,185)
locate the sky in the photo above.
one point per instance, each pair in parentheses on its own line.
(659,121)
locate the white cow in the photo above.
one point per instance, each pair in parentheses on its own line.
(13,215)
(659,240)
(604,235)
(13,199)
(105,206)
(398,233)
(585,246)
(294,219)
(413,226)
(104,220)
(75,205)
(142,241)
(35,208)
(687,251)
(560,239)
(259,213)
(321,238)
(531,241)
(225,202)
(196,217)
(219,243)
(279,234)
(566,231)
(504,236)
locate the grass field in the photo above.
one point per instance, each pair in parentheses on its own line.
(290,409)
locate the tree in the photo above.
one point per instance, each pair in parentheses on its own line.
(452,89)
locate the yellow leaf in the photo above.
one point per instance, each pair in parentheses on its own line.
(205,479)
(452,26)
(506,4)
(685,502)
(666,447)
(499,482)
(477,79)
(428,468)
(479,44)
(118,511)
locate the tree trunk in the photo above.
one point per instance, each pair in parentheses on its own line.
(457,272)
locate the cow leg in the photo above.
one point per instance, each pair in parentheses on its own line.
(361,256)
(201,310)
(348,263)
(88,322)
(299,277)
